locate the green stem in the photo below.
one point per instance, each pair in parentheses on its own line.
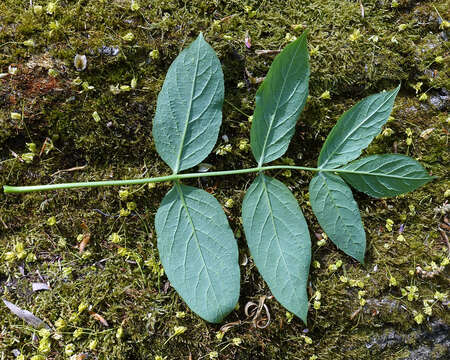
(173,177)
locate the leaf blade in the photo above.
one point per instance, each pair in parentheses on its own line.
(279,102)
(280,245)
(386,175)
(338,214)
(356,129)
(191,97)
(198,251)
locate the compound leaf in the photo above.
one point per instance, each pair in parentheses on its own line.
(279,101)
(279,241)
(198,251)
(338,214)
(356,129)
(189,108)
(386,175)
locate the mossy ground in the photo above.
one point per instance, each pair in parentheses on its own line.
(122,281)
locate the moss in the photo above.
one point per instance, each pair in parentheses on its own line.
(117,283)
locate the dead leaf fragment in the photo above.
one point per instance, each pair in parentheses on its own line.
(26,316)
(426,133)
(98,317)
(248,40)
(84,242)
(38,286)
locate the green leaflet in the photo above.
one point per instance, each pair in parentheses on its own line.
(355,129)
(189,109)
(279,241)
(198,251)
(279,101)
(386,175)
(338,214)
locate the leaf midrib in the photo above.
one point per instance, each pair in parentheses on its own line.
(337,209)
(263,179)
(197,242)
(188,114)
(351,132)
(261,159)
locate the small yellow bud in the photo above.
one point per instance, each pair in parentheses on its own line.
(51,221)
(180,314)
(131,205)
(96,116)
(428,310)
(37,10)
(440,296)
(60,324)
(236,341)
(31,258)
(392,281)
(81,307)
(69,349)
(77,333)
(321,242)
(418,318)
(16,116)
(289,317)
(114,89)
(229,203)
(119,333)
(355,35)
(51,8)
(32,147)
(128,37)
(325,95)
(134,5)
(29,43)
(93,344)
(67,271)
(178,330)
(154,54)
(124,212)
(387,132)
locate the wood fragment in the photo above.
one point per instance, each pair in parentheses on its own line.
(69,170)
(267,52)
